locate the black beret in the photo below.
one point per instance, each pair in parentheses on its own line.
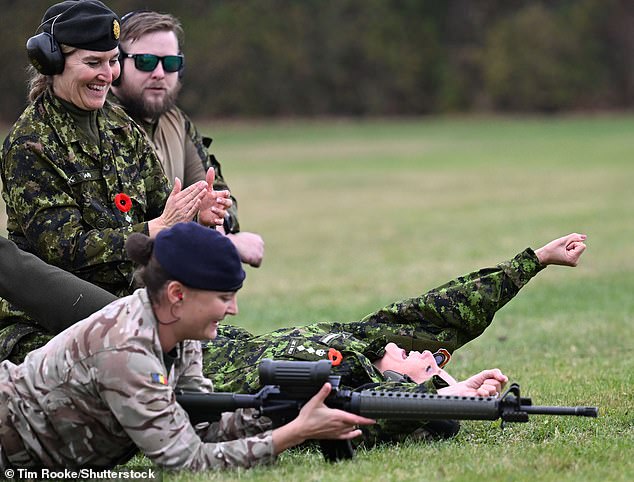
(199,257)
(84,24)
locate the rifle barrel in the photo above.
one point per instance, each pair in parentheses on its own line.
(422,406)
(574,411)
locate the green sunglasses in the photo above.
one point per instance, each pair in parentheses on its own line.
(148,62)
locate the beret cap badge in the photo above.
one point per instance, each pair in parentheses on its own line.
(85,24)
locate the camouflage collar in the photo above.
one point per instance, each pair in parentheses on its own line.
(109,117)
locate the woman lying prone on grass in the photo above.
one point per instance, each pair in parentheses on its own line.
(390,348)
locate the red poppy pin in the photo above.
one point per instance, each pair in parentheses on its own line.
(335,357)
(123,202)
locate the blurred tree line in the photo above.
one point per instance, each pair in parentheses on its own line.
(258,58)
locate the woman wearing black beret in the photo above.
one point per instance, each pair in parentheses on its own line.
(105,387)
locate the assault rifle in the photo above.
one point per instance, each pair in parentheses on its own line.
(288,385)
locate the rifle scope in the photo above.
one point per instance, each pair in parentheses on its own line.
(298,378)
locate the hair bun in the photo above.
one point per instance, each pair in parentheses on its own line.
(139,248)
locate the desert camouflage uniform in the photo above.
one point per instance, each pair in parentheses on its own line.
(446,317)
(59,190)
(102,389)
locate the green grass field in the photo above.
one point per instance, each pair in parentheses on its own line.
(358,214)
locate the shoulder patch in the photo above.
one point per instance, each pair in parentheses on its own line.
(158,378)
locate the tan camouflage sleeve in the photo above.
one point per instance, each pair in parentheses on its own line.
(190,376)
(238,424)
(145,406)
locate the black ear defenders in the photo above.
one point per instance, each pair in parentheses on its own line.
(127,16)
(44,52)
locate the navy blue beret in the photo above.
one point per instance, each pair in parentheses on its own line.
(199,257)
(84,24)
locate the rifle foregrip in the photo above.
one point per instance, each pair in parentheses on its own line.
(423,406)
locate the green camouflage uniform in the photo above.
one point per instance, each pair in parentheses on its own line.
(103,388)
(59,190)
(446,317)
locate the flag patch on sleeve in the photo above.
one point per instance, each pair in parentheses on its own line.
(159,378)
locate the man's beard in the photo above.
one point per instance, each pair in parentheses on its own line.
(139,108)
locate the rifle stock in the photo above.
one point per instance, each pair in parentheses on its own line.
(288,385)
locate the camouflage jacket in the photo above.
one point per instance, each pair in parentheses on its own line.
(101,388)
(59,190)
(183,152)
(445,317)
